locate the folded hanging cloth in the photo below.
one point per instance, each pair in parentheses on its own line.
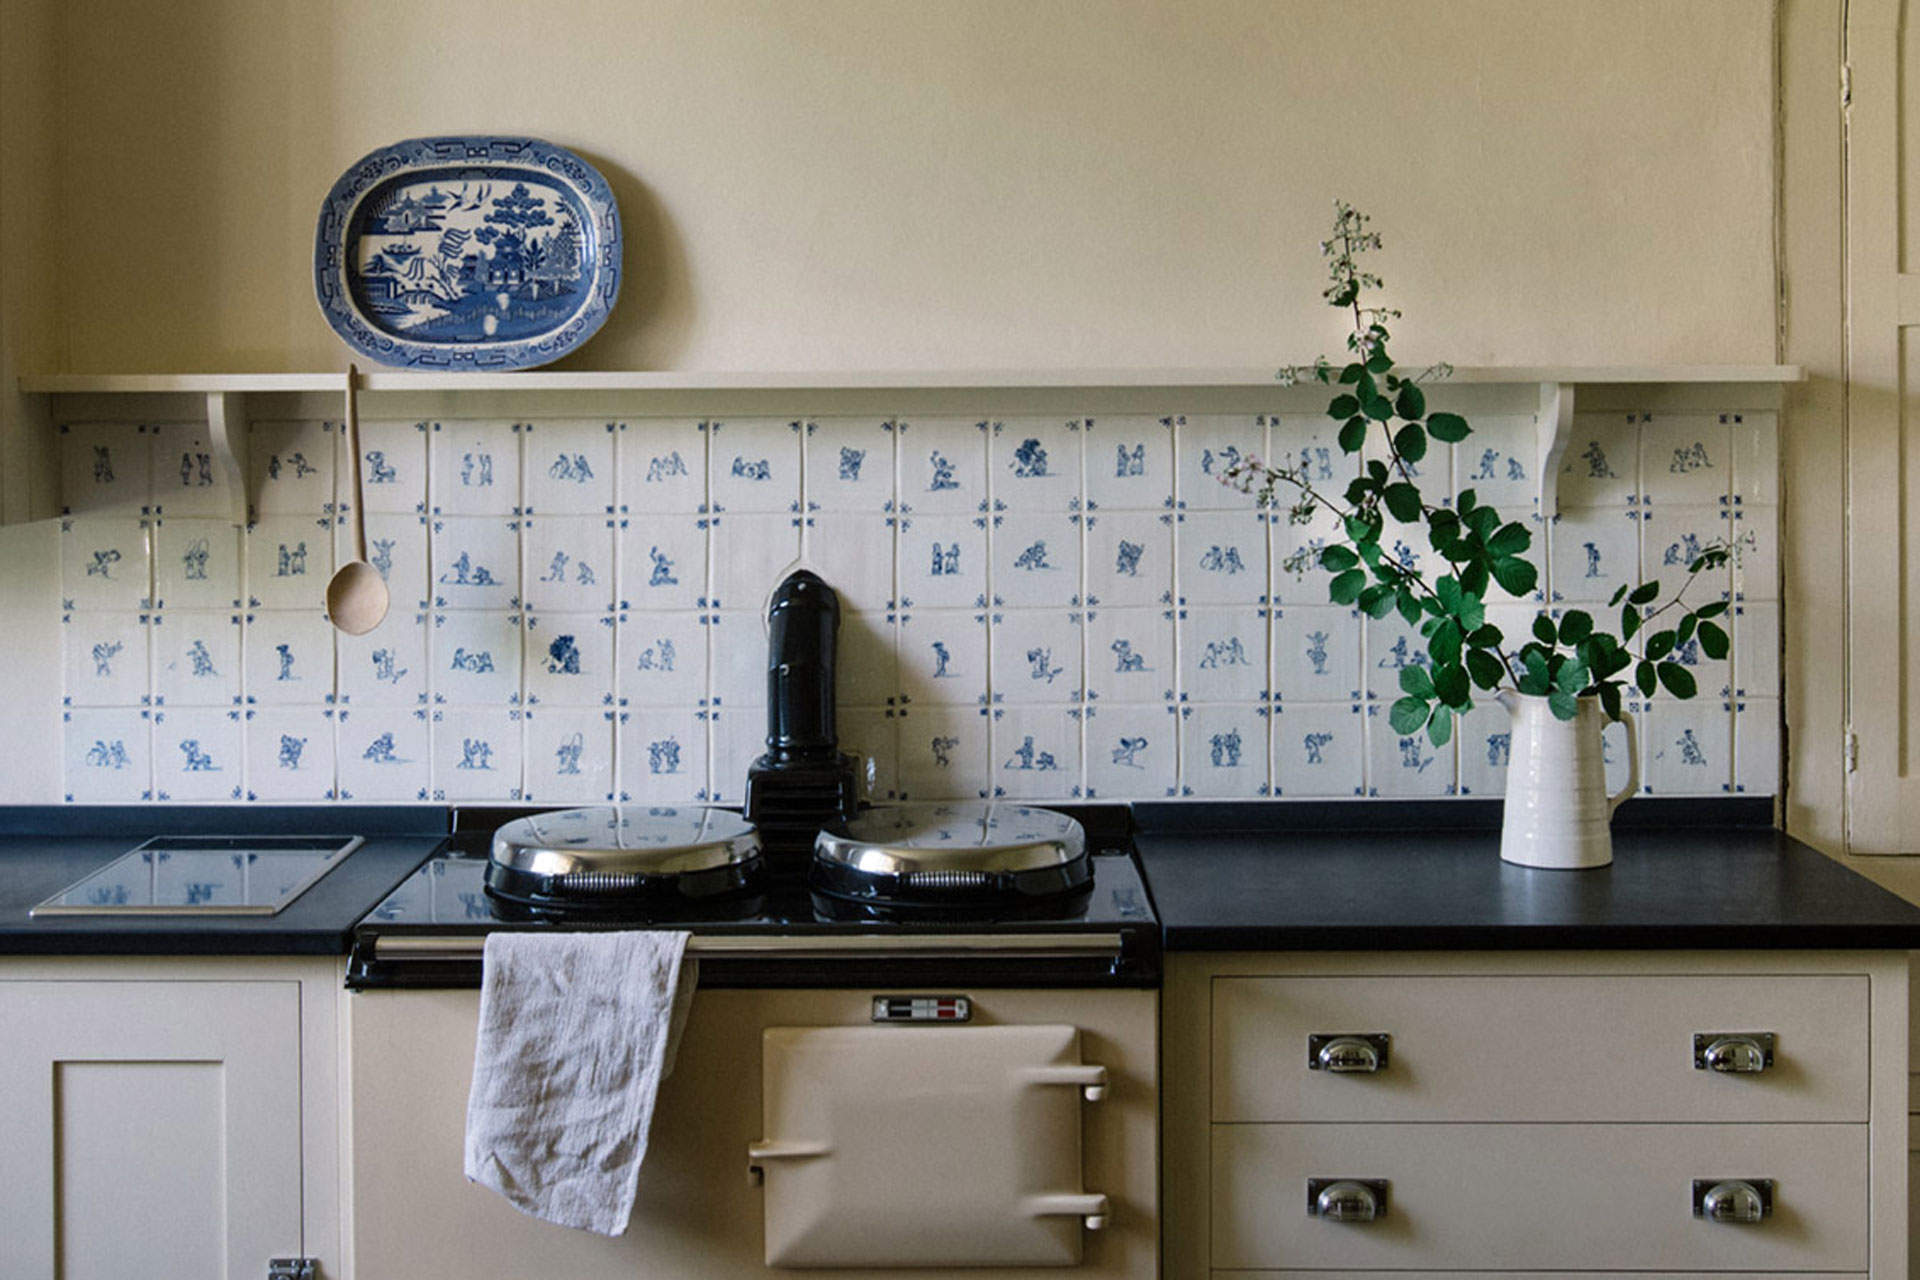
(577,1030)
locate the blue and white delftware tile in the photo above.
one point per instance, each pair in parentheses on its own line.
(1316,653)
(1130,558)
(567,467)
(1686,459)
(1035,753)
(1756,553)
(736,737)
(739,644)
(943,753)
(568,564)
(753,465)
(475,562)
(199,754)
(1592,552)
(196,659)
(943,657)
(663,563)
(1500,462)
(1484,743)
(1756,747)
(292,465)
(105,563)
(661,660)
(1319,749)
(1297,577)
(1034,560)
(1672,536)
(943,466)
(108,754)
(106,659)
(1756,458)
(387,667)
(1221,558)
(288,658)
(1755,631)
(1223,655)
(855,554)
(942,561)
(474,468)
(196,564)
(1205,448)
(868,658)
(475,659)
(393,467)
(383,753)
(106,469)
(663,466)
(1308,443)
(477,753)
(187,476)
(569,659)
(1391,645)
(1223,751)
(1405,764)
(752,554)
(1034,465)
(569,756)
(1035,657)
(871,736)
(289,753)
(849,465)
(399,547)
(1714,678)
(1131,656)
(1433,473)
(1687,747)
(662,755)
(289,560)
(1129,462)
(1601,465)
(1132,752)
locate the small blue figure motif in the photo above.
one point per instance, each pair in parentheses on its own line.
(475,754)
(291,749)
(563,657)
(1129,462)
(1317,651)
(1229,651)
(1405,555)
(946,561)
(1399,656)
(381,751)
(1593,559)
(1316,745)
(1683,552)
(663,756)
(379,470)
(102,465)
(464,573)
(286,661)
(942,472)
(291,561)
(1028,760)
(1412,757)
(196,470)
(756,470)
(1215,560)
(1500,749)
(557,569)
(1317,461)
(942,749)
(108,755)
(198,761)
(1033,558)
(1690,752)
(102,564)
(1125,660)
(663,469)
(662,570)
(1029,460)
(103,656)
(1596,459)
(1040,664)
(575,469)
(382,557)
(1514,470)
(1691,458)
(1224,749)
(1127,751)
(472,663)
(1218,464)
(476,470)
(200,660)
(941,658)
(567,755)
(1488,457)
(386,667)
(1127,563)
(850,460)
(657,656)
(194,560)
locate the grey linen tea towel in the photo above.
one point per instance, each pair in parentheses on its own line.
(577,1030)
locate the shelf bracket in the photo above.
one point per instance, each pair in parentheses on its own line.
(1553,427)
(227,433)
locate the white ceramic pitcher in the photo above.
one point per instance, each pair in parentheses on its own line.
(1558,812)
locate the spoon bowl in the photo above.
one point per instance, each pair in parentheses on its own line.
(356,595)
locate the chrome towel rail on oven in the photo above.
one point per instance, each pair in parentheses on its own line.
(1008,946)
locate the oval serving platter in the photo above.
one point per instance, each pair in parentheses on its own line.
(468,253)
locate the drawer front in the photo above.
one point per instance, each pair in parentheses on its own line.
(1541,1048)
(1615,1197)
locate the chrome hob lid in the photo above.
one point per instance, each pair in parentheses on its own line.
(919,839)
(610,858)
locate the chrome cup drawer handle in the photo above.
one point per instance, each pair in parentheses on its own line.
(1347,1199)
(1740,1201)
(1348,1053)
(1733,1052)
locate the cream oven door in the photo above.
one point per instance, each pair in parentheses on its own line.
(925,1146)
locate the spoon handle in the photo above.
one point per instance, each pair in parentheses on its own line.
(353,453)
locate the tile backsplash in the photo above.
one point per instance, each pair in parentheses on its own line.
(1045,608)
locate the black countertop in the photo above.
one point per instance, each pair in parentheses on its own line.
(45,849)
(1412,876)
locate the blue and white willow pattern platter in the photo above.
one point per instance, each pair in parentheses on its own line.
(468,253)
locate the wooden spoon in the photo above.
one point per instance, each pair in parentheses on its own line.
(357,595)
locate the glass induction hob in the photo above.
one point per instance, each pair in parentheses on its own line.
(203,876)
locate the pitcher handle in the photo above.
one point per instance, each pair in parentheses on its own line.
(1633,765)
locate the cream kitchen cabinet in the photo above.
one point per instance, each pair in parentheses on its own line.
(1534,1112)
(172,1117)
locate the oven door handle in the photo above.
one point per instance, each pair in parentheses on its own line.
(1010,946)
(1091,1077)
(1091,1209)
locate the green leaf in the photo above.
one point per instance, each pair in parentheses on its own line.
(1713,641)
(1379,362)
(1411,442)
(1515,575)
(1610,700)
(1713,610)
(1450,427)
(1403,502)
(1336,559)
(1643,676)
(1409,606)
(1563,705)
(1511,540)
(1466,501)
(1440,728)
(1684,632)
(1377,601)
(1346,587)
(1445,642)
(1343,406)
(1535,679)
(1482,520)
(1659,645)
(1629,622)
(1645,592)
(1484,668)
(1572,677)
(1619,594)
(1411,402)
(1353,373)
(1473,578)
(1408,715)
(1451,685)
(1415,680)
(1575,627)
(1361,529)
(1379,408)
(1447,593)
(1677,679)
(1486,636)
(1543,629)
(1353,434)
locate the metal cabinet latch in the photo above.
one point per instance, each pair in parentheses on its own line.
(1733,1052)
(1347,1199)
(1348,1052)
(293,1269)
(1741,1201)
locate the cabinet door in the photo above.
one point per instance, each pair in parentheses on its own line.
(151,1128)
